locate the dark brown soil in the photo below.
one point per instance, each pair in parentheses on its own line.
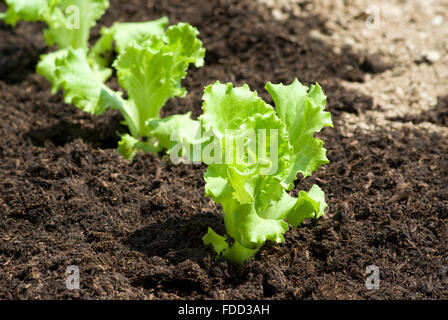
(134,229)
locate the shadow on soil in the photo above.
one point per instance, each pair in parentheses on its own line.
(103,136)
(168,238)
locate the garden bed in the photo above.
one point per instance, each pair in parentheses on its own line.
(134,229)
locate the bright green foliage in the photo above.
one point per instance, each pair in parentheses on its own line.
(69,21)
(253,194)
(151,63)
(171,130)
(302,112)
(24,10)
(128,146)
(151,72)
(82,86)
(252,187)
(123,34)
(47,67)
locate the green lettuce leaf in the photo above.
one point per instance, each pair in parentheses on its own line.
(151,72)
(82,85)
(175,130)
(24,10)
(237,113)
(308,205)
(236,252)
(128,146)
(47,67)
(302,112)
(243,223)
(123,34)
(69,21)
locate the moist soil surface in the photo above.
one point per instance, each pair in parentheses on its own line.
(134,229)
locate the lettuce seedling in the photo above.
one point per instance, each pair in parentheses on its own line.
(151,63)
(254,192)
(150,71)
(69,23)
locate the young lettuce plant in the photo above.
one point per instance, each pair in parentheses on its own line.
(151,72)
(69,23)
(253,189)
